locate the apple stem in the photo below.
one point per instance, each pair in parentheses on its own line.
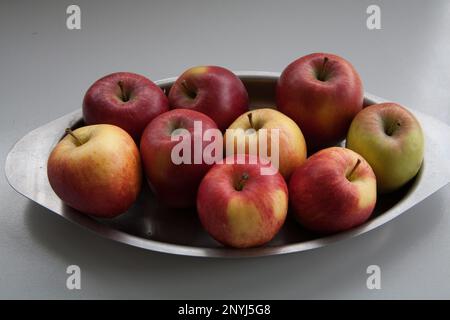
(242,181)
(70,132)
(391,129)
(125,97)
(191,93)
(250,119)
(321,76)
(349,176)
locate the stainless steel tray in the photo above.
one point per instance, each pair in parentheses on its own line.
(150,226)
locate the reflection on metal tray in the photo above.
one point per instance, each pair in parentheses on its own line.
(151,226)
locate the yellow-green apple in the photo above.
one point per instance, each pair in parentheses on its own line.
(258,128)
(240,207)
(124,99)
(334,190)
(322,93)
(212,90)
(390,138)
(96,170)
(173,173)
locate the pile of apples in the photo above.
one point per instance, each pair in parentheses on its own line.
(97,169)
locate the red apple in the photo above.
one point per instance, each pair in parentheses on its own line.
(96,170)
(124,99)
(334,190)
(212,90)
(240,207)
(322,93)
(175,184)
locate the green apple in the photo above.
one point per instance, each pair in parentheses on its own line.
(391,139)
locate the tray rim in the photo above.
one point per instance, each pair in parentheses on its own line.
(222,252)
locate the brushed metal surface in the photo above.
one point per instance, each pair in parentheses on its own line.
(150,226)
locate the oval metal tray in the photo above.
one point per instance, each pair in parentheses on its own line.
(150,226)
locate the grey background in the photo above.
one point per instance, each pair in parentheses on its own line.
(45,70)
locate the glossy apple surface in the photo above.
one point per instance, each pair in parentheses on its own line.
(174,184)
(212,90)
(98,172)
(291,143)
(322,93)
(124,99)
(239,207)
(333,191)
(391,139)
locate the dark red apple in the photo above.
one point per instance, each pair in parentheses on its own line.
(175,183)
(212,90)
(124,99)
(322,93)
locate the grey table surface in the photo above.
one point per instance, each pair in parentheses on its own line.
(46,68)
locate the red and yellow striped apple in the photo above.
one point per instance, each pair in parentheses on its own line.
(212,90)
(96,170)
(291,143)
(322,93)
(240,207)
(175,184)
(390,138)
(334,190)
(124,99)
